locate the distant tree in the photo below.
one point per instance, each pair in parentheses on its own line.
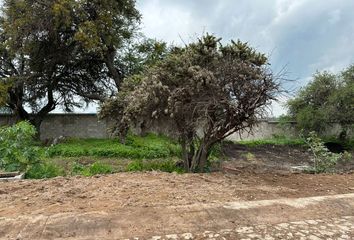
(61,53)
(341,101)
(206,91)
(328,99)
(140,53)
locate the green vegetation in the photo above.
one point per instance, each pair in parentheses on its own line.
(324,161)
(346,143)
(101,156)
(17,148)
(154,165)
(45,169)
(149,153)
(18,152)
(280,140)
(92,169)
(150,147)
(328,99)
(205,86)
(276,140)
(65,53)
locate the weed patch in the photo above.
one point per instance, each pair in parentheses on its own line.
(278,141)
(44,170)
(324,161)
(154,165)
(150,147)
(91,170)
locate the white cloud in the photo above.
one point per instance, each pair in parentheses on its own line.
(305,35)
(335,16)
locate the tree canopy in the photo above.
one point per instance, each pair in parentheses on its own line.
(205,90)
(327,99)
(61,53)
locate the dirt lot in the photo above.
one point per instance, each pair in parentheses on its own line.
(273,159)
(160,189)
(143,204)
(142,195)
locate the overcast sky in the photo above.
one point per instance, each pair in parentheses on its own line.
(303,35)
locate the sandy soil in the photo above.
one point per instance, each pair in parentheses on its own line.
(160,189)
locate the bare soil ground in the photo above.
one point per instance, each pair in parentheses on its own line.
(272,159)
(160,189)
(145,204)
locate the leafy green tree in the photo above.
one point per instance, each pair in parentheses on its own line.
(328,99)
(205,91)
(17,149)
(141,53)
(61,53)
(341,101)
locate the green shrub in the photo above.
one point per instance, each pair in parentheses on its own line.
(17,147)
(44,170)
(275,140)
(215,152)
(148,147)
(99,168)
(91,170)
(136,166)
(77,168)
(154,165)
(347,143)
(323,160)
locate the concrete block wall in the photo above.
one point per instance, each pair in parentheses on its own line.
(68,125)
(264,130)
(88,126)
(74,125)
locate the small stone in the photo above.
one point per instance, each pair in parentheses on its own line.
(313,237)
(172,236)
(156,238)
(344,237)
(313,222)
(283,225)
(268,238)
(187,236)
(245,230)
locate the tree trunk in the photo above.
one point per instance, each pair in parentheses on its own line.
(115,73)
(203,159)
(22,115)
(37,122)
(185,157)
(16,103)
(200,158)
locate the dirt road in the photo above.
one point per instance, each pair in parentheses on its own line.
(171,206)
